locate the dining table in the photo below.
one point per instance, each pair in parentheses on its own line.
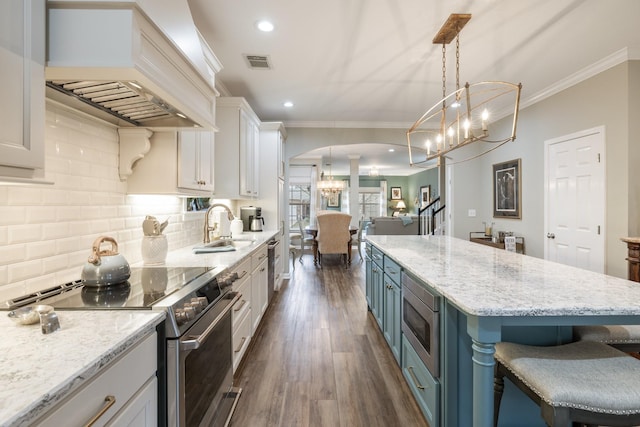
(313,231)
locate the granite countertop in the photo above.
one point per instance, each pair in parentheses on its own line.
(485,281)
(37,370)
(185,257)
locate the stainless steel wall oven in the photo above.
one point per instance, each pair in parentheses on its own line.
(421,322)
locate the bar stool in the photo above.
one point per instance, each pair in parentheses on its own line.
(584,382)
(622,337)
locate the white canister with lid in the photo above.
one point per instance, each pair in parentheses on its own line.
(236,227)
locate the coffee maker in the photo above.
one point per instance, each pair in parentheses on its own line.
(251,217)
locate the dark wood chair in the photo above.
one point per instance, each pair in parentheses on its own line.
(584,382)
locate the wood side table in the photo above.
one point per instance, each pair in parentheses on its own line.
(633,257)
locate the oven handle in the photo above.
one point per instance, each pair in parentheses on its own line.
(194,344)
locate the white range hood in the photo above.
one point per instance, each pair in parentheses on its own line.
(133,63)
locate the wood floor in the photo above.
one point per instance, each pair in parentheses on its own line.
(319,358)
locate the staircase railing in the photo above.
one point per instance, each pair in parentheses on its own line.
(433,219)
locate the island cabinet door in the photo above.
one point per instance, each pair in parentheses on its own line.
(377,292)
(392,316)
(367,281)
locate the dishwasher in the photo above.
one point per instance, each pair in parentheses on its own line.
(273,247)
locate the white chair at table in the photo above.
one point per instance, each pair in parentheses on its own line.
(334,236)
(361,231)
(299,240)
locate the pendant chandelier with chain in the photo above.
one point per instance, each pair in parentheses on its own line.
(464,116)
(330,186)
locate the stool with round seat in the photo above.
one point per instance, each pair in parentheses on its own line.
(622,337)
(583,382)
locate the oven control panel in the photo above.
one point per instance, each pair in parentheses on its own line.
(206,291)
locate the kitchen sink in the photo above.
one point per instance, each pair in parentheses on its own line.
(223,245)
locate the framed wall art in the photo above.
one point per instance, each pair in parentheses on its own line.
(396,193)
(507,189)
(333,201)
(425,195)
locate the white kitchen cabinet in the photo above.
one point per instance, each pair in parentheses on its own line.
(259,284)
(241,314)
(272,137)
(130,380)
(241,339)
(142,409)
(180,163)
(197,160)
(237,149)
(22,100)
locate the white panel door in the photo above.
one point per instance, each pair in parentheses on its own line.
(575,200)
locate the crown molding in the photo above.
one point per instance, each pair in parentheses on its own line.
(616,58)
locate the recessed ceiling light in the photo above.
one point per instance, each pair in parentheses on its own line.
(288,104)
(265,26)
(391,150)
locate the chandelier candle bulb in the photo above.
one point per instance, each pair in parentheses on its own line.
(485,117)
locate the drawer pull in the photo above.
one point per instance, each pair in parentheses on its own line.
(239,307)
(241,275)
(109,401)
(413,377)
(241,345)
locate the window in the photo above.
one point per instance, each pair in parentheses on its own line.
(299,202)
(369,205)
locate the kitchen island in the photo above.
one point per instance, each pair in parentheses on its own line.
(487,293)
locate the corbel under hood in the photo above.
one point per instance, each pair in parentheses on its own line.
(132,63)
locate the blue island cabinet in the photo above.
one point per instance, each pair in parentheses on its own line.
(382,289)
(392,301)
(375,286)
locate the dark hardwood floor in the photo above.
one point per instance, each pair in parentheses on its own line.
(319,358)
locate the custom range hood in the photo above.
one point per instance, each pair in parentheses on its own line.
(132,63)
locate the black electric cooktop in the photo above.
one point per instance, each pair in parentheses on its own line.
(145,287)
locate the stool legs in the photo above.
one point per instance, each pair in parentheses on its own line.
(498,389)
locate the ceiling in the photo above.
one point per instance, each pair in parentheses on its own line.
(371,63)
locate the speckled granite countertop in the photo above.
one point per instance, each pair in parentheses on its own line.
(185,257)
(37,370)
(485,281)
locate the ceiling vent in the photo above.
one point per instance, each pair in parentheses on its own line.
(258,62)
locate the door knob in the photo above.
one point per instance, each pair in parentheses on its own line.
(551,236)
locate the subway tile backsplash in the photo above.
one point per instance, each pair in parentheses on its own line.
(46,231)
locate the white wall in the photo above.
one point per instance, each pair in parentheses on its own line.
(601,100)
(46,232)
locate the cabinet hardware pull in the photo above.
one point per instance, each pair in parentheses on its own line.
(242,303)
(109,402)
(262,269)
(413,377)
(241,344)
(241,275)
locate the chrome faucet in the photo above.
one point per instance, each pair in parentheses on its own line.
(207,228)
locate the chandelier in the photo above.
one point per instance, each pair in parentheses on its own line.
(464,116)
(330,186)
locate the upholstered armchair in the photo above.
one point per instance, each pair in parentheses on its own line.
(333,235)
